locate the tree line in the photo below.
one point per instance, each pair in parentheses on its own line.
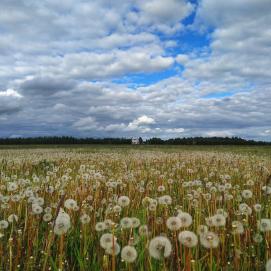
(67,140)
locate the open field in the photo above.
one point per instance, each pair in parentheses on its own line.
(135,208)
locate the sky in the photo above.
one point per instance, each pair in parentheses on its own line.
(149,68)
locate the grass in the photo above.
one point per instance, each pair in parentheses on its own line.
(224,188)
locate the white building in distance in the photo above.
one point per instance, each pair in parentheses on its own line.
(135,141)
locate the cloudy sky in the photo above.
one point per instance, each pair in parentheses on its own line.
(166,68)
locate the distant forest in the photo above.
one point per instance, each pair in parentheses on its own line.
(152,141)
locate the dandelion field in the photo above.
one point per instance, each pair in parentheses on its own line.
(135,209)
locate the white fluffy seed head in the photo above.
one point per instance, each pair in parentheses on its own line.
(100,226)
(218,220)
(186,219)
(188,238)
(107,239)
(85,219)
(126,223)
(62,223)
(160,247)
(173,223)
(209,240)
(123,201)
(128,254)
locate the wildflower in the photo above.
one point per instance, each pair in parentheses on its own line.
(108,223)
(36,209)
(100,226)
(70,204)
(128,254)
(222,212)
(12,218)
(218,220)
(85,219)
(257,238)
(188,238)
(186,219)
(174,223)
(126,222)
(47,217)
(202,229)
(161,188)
(264,225)
(165,200)
(237,227)
(113,249)
(143,230)
(3,224)
(245,209)
(107,239)
(247,194)
(266,189)
(48,210)
(209,240)
(39,201)
(62,223)
(160,247)
(135,222)
(117,209)
(257,207)
(152,207)
(12,186)
(123,201)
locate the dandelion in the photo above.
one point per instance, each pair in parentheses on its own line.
(108,223)
(62,223)
(161,188)
(70,204)
(237,227)
(186,219)
(3,224)
(173,223)
(160,247)
(143,230)
(202,229)
(36,209)
(257,238)
(117,209)
(113,249)
(12,218)
(126,222)
(245,209)
(218,220)
(264,225)
(123,201)
(107,239)
(209,240)
(152,207)
(128,254)
(257,207)
(12,186)
(247,194)
(188,238)
(100,226)
(165,200)
(135,222)
(266,189)
(85,219)
(47,217)
(48,210)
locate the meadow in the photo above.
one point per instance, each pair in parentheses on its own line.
(135,208)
